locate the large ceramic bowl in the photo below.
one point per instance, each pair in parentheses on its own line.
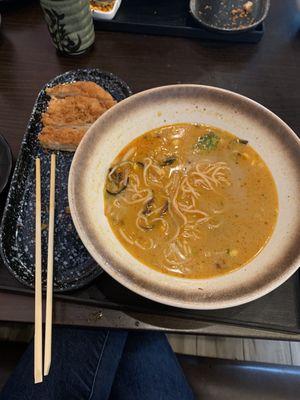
(270,137)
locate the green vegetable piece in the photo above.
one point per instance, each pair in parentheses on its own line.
(207,142)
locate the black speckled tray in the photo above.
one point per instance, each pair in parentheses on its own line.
(73,266)
(5,163)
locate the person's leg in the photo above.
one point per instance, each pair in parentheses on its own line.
(84,363)
(149,370)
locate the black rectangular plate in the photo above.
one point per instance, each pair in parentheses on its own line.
(172,18)
(73,266)
(278,311)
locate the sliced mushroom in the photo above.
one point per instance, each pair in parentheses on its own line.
(168,161)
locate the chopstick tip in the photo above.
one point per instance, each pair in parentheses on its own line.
(38,378)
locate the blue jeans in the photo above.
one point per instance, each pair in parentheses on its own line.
(89,364)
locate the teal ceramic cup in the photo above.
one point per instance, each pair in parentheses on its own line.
(70,24)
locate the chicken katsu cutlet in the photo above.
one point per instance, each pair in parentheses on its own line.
(72,108)
(75,110)
(65,138)
(88,89)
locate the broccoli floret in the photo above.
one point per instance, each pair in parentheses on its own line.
(209,141)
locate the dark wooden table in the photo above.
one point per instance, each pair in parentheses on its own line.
(267,72)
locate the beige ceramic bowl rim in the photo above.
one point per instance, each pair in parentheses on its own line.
(255,294)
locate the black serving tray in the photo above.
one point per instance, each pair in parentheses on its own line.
(73,266)
(173,18)
(277,311)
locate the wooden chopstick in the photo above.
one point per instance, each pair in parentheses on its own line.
(38,323)
(49,294)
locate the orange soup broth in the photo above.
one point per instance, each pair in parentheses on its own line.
(195,200)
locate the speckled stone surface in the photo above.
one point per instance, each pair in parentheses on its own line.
(73,266)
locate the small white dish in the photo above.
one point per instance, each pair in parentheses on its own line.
(107,15)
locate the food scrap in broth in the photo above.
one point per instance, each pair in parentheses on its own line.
(191,200)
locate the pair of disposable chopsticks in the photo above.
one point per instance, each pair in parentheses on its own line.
(38,326)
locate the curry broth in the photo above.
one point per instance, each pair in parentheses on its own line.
(191,200)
